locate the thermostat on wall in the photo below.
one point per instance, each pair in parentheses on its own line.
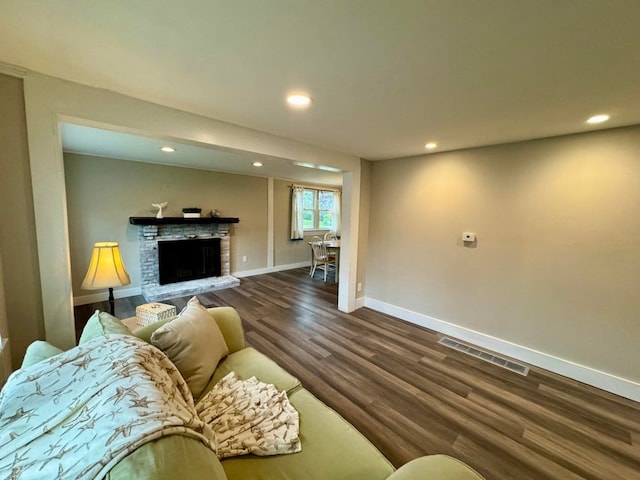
(468,237)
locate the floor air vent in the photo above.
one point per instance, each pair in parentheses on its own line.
(486,356)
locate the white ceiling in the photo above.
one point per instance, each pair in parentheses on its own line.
(386,76)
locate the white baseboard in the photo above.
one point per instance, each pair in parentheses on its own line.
(360,301)
(605,381)
(104,296)
(276,268)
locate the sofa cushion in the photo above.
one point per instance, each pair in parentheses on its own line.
(247,363)
(38,351)
(331,449)
(194,343)
(435,466)
(169,458)
(230,325)
(102,324)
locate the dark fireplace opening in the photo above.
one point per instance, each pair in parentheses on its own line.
(182,260)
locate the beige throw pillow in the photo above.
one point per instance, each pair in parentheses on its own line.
(194,343)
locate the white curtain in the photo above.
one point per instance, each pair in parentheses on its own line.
(337,205)
(297,210)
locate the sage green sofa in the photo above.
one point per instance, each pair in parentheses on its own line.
(332,449)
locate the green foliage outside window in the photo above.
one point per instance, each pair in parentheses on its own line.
(326,221)
(307,220)
(308,199)
(318,210)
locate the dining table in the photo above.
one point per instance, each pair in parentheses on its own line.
(334,247)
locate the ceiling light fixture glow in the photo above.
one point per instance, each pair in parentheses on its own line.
(600,118)
(257,164)
(431,145)
(305,165)
(328,169)
(299,100)
(167,149)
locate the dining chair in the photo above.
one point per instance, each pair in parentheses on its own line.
(331,237)
(322,259)
(314,239)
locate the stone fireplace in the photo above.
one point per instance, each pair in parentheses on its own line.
(152,231)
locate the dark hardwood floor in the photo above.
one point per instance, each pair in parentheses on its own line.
(411,396)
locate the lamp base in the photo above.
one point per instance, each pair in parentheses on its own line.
(112,302)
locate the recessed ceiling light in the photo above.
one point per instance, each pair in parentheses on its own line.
(168,149)
(431,145)
(299,100)
(603,117)
(257,164)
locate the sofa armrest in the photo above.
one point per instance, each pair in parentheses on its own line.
(436,467)
(230,325)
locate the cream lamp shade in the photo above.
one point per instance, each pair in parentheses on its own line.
(106,270)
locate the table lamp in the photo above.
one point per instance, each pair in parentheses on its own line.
(106,270)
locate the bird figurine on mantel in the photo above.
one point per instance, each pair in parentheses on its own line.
(159,206)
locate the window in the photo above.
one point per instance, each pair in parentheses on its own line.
(318,211)
(314,209)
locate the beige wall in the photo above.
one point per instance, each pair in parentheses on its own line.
(17,235)
(556,264)
(285,251)
(103,193)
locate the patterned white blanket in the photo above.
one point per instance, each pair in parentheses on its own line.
(249,416)
(79,413)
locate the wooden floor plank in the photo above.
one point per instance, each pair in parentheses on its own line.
(411,396)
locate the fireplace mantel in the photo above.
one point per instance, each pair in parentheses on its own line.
(180,220)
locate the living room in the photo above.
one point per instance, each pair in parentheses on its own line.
(548,280)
